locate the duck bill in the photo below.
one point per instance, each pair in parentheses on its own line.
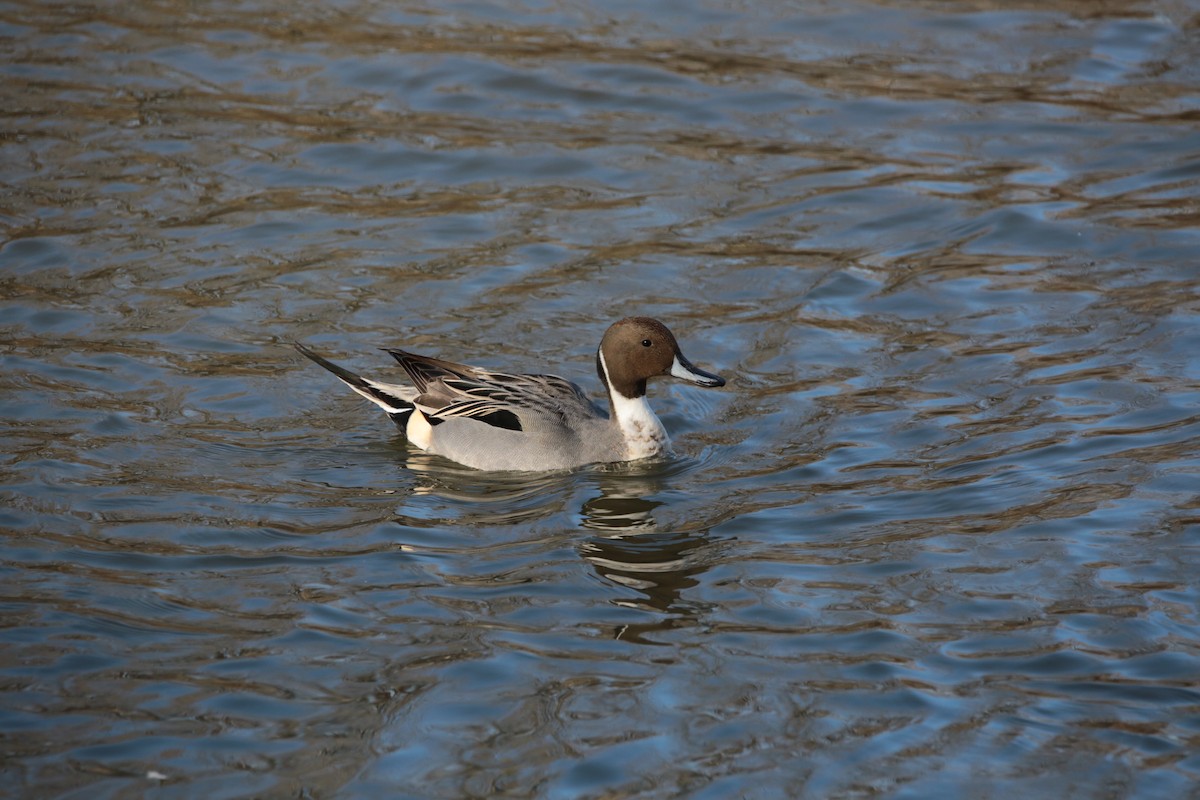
(687,371)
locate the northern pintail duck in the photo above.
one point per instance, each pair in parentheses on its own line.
(504,421)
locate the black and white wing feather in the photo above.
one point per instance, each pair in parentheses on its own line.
(500,399)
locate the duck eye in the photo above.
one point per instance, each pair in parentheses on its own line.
(645,342)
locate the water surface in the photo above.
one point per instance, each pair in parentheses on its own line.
(939,536)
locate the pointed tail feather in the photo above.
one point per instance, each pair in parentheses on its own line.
(383,395)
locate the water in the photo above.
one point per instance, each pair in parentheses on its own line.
(938,537)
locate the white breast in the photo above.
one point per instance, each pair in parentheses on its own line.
(644,433)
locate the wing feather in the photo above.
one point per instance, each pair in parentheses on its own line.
(500,399)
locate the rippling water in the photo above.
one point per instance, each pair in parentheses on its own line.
(939,536)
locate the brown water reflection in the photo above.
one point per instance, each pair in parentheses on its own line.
(937,538)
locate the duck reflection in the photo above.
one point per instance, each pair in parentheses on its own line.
(660,566)
(629,547)
(620,514)
(632,551)
(473,497)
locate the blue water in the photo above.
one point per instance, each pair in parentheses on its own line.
(939,535)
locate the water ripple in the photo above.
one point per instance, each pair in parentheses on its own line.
(937,537)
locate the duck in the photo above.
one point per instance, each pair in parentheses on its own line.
(515,422)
